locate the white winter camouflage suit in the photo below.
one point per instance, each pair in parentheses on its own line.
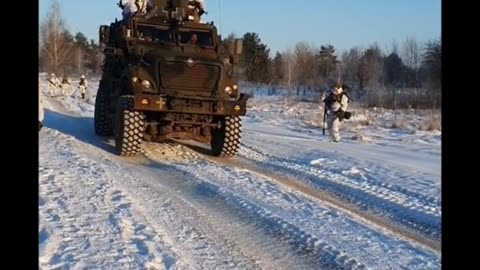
(333,121)
(66,85)
(53,82)
(130,7)
(200,2)
(83,87)
(40,108)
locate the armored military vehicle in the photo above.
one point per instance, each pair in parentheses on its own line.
(166,75)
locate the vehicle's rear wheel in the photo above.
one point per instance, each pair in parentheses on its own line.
(103,125)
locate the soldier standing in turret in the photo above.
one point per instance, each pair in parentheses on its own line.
(196,9)
(132,7)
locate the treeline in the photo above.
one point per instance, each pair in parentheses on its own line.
(400,76)
(62,52)
(405,75)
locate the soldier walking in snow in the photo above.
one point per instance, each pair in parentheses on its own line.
(82,85)
(52,84)
(336,104)
(66,85)
(40,108)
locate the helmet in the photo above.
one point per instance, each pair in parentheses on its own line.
(52,75)
(338,88)
(83,76)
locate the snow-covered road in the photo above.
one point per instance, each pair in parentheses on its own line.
(289,200)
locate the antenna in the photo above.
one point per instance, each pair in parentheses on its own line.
(220,12)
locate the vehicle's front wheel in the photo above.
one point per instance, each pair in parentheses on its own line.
(128,128)
(225,140)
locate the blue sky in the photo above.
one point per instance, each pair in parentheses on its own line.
(281,23)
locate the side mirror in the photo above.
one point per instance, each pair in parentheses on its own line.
(238,46)
(104,34)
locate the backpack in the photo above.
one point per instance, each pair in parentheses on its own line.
(332,98)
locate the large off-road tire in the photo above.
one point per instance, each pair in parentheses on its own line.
(103,125)
(129,125)
(225,141)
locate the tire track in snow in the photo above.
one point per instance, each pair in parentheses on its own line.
(188,164)
(380,172)
(197,246)
(368,197)
(305,248)
(189,230)
(353,210)
(251,211)
(91,222)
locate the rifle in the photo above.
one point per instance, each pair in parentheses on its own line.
(324,118)
(120,5)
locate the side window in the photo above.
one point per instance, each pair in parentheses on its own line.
(205,39)
(184,37)
(202,38)
(163,35)
(153,34)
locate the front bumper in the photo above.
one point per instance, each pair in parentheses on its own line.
(156,103)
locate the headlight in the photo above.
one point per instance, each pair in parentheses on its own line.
(146,84)
(228,90)
(134,79)
(235,87)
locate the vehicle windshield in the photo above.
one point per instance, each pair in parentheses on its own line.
(195,37)
(155,34)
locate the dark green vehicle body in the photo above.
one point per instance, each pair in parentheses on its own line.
(156,85)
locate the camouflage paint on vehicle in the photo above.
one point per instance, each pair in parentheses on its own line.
(175,71)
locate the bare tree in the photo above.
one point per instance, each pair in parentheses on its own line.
(55,48)
(305,64)
(83,53)
(79,63)
(432,58)
(411,58)
(394,48)
(350,62)
(277,72)
(367,67)
(288,66)
(378,71)
(391,48)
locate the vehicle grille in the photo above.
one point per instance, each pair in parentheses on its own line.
(200,79)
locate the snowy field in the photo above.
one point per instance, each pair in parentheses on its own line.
(290,199)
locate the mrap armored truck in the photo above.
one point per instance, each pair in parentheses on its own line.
(166,75)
